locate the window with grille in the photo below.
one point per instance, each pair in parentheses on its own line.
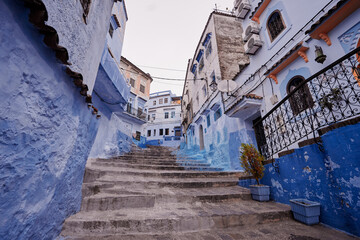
(132,82)
(154,102)
(160,101)
(301,99)
(166,115)
(142,88)
(166,100)
(275,25)
(172,114)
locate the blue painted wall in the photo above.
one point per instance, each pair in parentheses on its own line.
(331,178)
(46,132)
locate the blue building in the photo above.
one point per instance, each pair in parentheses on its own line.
(296,98)
(50,53)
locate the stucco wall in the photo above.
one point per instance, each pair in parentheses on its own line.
(46,131)
(330,178)
(84,42)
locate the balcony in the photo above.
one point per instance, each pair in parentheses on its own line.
(138,113)
(326,98)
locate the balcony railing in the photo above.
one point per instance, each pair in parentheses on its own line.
(136,112)
(334,97)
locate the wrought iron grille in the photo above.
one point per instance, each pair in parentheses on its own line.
(335,96)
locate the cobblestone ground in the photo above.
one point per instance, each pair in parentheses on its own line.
(150,194)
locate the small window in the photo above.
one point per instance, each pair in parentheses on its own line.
(154,132)
(301,99)
(111,30)
(178,133)
(208,120)
(172,114)
(148,117)
(142,88)
(208,50)
(154,102)
(138,136)
(86,7)
(153,116)
(166,100)
(217,114)
(160,101)
(149,133)
(166,115)
(201,65)
(204,90)
(132,82)
(275,25)
(161,132)
(166,131)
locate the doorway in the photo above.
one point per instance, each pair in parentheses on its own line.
(201,136)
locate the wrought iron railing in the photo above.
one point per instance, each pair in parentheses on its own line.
(329,96)
(136,112)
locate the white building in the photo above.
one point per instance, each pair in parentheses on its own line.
(164,119)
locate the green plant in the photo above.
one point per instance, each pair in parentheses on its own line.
(329,100)
(251,160)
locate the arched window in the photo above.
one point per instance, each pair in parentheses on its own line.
(301,99)
(275,25)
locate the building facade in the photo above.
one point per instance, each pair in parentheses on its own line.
(50,54)
(111,91)
(299,84)
(164,120)
(136,112)
(208,131)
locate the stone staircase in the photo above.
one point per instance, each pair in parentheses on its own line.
(150,194)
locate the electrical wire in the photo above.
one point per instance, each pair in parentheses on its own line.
(168,69)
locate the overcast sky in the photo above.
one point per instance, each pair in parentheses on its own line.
(164,34)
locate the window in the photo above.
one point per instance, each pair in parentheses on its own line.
(208,50)
(166,115)
(172,114)
(132,82)
(161,132)
(178,133)
(138,136)
(86,7)
(148,117)
(166,100)
(208,120)
(111,30)
(301,99)
(201,65)
(160,101)
(166,131)
(275,25)
(139,111)
(149,133)
(204,90)
(154,102)
(153,116)
(142,88)
(154,132)
(217,114)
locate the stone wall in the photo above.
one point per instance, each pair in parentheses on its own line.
(330,178)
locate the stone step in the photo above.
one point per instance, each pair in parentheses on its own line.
(152,162)
(284,230)
(166,195)
(205,216)
(173,183)
(101,171)
(105,202)
(193,167)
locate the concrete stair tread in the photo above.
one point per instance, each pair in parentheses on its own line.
(117,179)
(284,230)
(176,210)
(131,170)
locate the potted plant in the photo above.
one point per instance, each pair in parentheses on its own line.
(252,162)
(305,211)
